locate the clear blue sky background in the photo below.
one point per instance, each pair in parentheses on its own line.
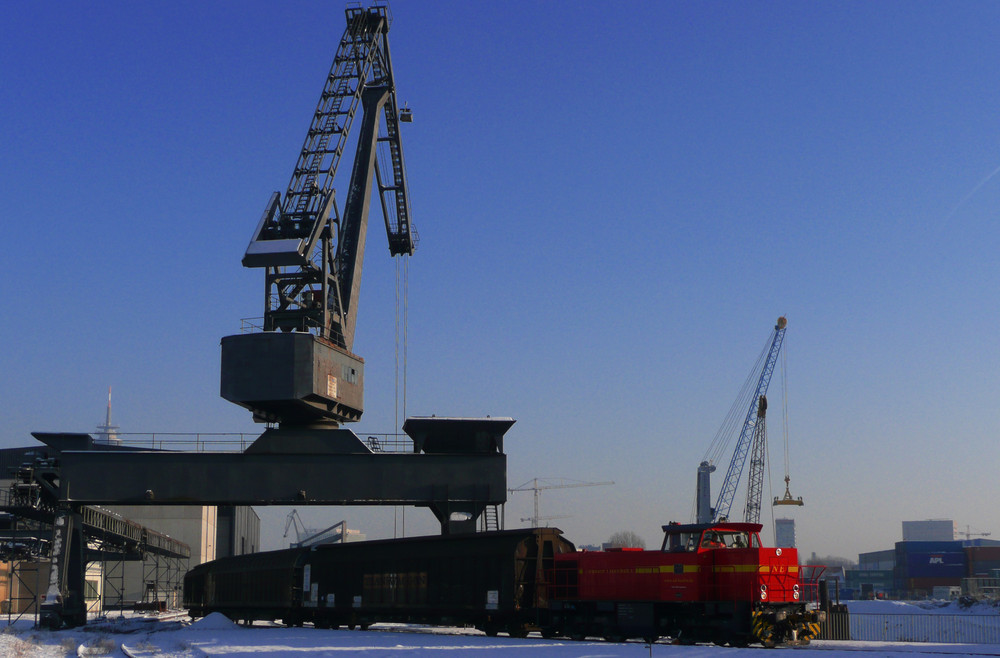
(615,202)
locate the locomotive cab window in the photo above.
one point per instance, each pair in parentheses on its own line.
(729,539)
(693,538)
(680,542)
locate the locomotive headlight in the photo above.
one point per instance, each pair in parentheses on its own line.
(763,592)
(795,592)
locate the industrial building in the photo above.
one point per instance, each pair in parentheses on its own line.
(928,563)
(929,530)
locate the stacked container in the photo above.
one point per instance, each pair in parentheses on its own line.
(982,560)
(923,565)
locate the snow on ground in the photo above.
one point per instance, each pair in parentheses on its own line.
(923,608)
(216,635)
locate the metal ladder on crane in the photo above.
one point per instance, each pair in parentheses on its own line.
(491,518)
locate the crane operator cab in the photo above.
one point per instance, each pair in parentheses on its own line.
(691,538)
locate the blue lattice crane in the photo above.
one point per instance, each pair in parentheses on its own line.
(727,493)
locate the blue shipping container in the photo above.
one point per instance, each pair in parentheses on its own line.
(933,565)
(905,547)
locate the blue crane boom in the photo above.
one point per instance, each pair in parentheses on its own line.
(732,481)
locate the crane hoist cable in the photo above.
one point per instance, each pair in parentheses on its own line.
(787,498)
(734,418)
(401,333)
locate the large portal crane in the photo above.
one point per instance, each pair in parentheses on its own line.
(754,414)
(301,370)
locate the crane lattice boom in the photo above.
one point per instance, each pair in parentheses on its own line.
(758,456)
(313,255)
(736,465)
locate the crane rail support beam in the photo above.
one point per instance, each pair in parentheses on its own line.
(135,478)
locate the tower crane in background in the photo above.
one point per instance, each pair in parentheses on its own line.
(754,416)
(968,534)
(537,486)
(335,534)
(535,521)
(294,522)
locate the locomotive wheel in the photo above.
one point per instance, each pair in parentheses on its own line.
(549,633)
(517,631)
(351,626)
(808,631)
(763,630)
(614,637)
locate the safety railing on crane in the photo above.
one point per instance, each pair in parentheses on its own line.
(239,441)
(187,442)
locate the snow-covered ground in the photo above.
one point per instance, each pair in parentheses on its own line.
(217,636)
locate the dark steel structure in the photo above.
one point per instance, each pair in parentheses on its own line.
(79,534)
(496,581)
(299,374)
(457,472)
(301,370)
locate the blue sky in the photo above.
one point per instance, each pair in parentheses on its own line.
(615,202)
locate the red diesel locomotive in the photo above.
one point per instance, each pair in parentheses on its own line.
(707,583)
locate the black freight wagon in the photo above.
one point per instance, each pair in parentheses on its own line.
(494,581)
(245,587)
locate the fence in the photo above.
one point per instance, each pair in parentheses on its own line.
(874,627)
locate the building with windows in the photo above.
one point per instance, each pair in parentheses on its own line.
(784,533)
(929,530)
